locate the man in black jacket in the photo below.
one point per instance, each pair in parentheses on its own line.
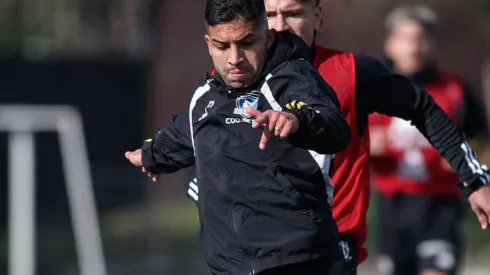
(264,199)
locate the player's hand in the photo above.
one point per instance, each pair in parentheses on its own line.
(446,166)
(135,157)
(280,124)
(480,204)
(378,141)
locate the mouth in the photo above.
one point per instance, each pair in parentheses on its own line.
(237,71)
(237,74)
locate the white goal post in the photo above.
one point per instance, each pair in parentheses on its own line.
(21,122)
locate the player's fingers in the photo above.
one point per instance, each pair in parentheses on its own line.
(280,124)
(265,138)
(482,217)
(273,119)
(286,130)
(253,112)
(263,118)
(155,177)
(486,223)
(146,171)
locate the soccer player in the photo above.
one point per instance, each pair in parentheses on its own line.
(364,85)
(261,132)
(419,207)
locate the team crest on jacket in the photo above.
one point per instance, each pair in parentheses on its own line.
(242,102)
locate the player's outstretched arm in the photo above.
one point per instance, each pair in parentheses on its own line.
(169,150)
(388,93)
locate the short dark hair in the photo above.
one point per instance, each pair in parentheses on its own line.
(226,11)
(419,13)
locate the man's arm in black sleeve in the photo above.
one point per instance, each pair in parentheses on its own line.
(190,182)
(170,149)
(474,123)
(383,91)
(299,89)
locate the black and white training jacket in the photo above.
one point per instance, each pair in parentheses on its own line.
(259,209)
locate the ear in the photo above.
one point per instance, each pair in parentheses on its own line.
(208,42)
(318,17)
(271,37)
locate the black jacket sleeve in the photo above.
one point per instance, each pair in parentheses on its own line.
(171,148)
(299,89)
(474,123)
(383,91)
(190,183)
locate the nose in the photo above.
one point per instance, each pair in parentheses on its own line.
(235,56)
(279,23)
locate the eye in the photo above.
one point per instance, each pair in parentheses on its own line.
(294,14)
(247,43)
(221,47)
(271,14)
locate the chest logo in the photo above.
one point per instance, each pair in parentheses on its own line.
(242,102)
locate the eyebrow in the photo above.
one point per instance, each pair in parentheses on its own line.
(288,10)
(241,39)
(292,10)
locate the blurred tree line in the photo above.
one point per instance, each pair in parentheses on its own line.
(74,27)
(88,26)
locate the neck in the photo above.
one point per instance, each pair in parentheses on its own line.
(312,52)
(423,76)
(426,75)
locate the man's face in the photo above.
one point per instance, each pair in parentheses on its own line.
(300,18)
(239,50)
(409,46)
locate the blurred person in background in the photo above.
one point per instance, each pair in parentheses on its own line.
(419,205)
(364,85)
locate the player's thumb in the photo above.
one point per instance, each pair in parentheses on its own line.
(483,221)
(482,218)
(128,155)
(134,158)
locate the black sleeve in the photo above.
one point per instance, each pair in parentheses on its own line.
(171,148)
(190,182)
(302,91)
(385,92)
(474,123)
